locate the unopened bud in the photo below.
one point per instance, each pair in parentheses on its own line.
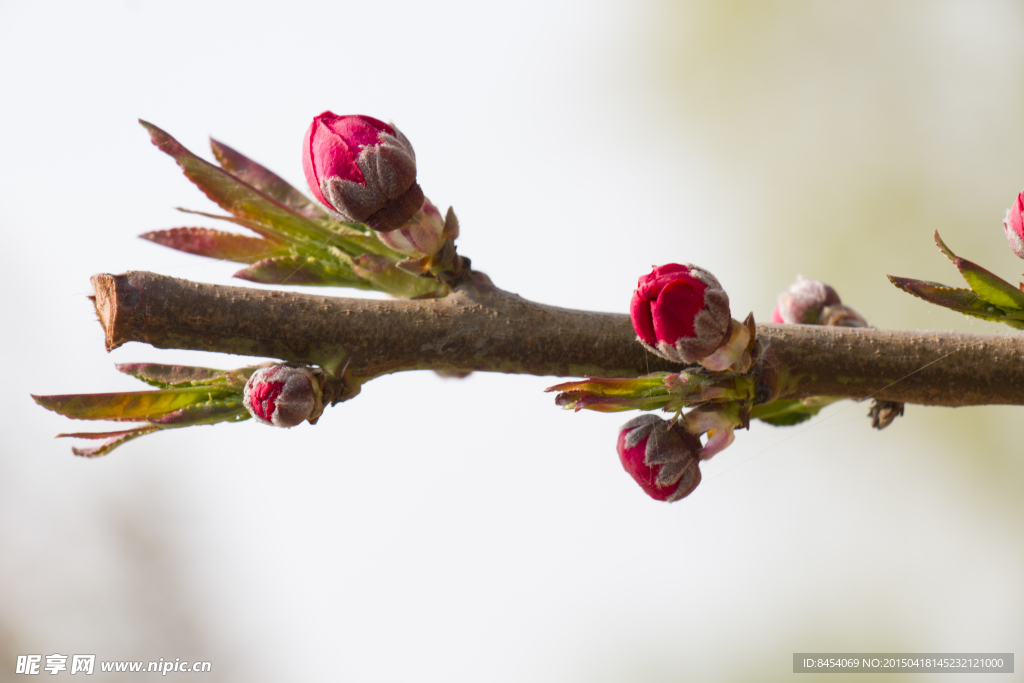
(362,169)
(661,457)
(812,302)
(422,235)
(283,396)
(841,316)
(1014,226)
(680,312)
(734,353)
(882,413)
(802,303)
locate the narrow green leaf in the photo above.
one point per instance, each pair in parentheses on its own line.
(786,418)
(303,270)
(243,200)
(355,241)
(266,181)
(106,435)
(989,286)
(206,413)
(960,300)
(790,412)
(346,228)
(217,244)
(608,404)
(192,415)
(369,244)
(270,233)
(168,376)
(118,440)
(637,387)
(357,236)
(131,406)
(943,248)
(985,284)
(385,276)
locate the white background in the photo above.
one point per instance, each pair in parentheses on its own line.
(443,530)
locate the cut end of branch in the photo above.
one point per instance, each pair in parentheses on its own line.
(105,300)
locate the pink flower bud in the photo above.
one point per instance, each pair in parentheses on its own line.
(1014,226)
(680,312)
(661,458)
(812,302)
(802,303)
(421,235)
(362,169)
(283,396)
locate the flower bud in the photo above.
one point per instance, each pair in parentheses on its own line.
(802,303)
(661,457)
(883,413)
(812,302)
(841,316)
(680,312)
(1014,226)
(422,235)
(362,169)
(283,396)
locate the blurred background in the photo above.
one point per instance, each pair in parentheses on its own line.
(445,530)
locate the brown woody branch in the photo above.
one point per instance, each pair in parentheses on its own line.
(481,328)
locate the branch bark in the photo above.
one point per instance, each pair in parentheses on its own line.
(481,328)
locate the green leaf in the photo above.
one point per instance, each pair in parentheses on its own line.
(106,435)
(135,406)
(964,301)
(119,438)
(243,200)
(790,412)
(943,248)
(272,234)
(578,400)
(786,418)
(985,284)
(206,413)
(266,181)
(355,235)
(634,387)
(303,270)
(217,244)
(610,395)
(369,244)
(168,376)
(991,287)
(385,275)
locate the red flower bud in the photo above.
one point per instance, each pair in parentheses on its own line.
(1014,226)
(662,458)
(419,236)
(283,396)
(680,312)
(362,169)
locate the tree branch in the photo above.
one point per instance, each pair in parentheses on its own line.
(481,328)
